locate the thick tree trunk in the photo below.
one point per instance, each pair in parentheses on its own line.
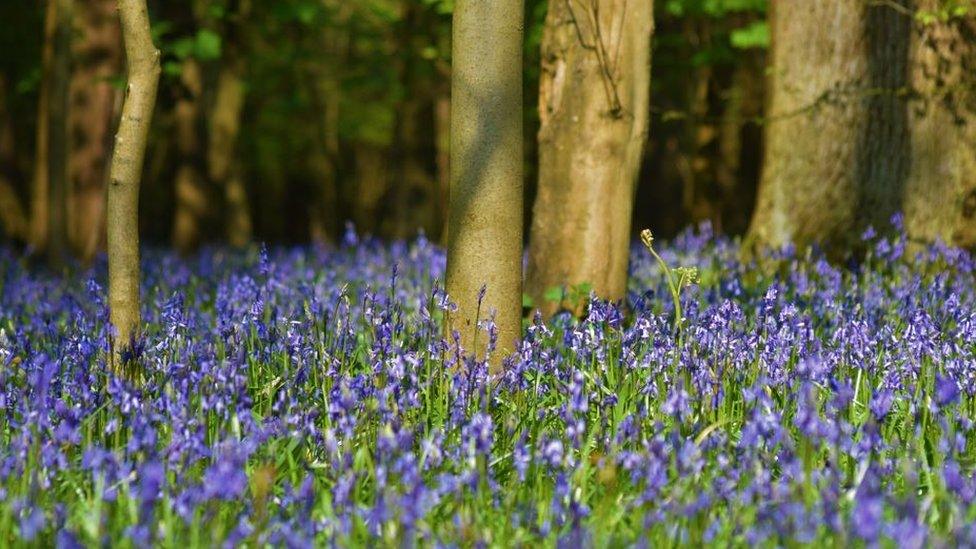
(593,103)
(485,219)
(142,60)
(869,116)
(940,189)
(192,200)
(98,58)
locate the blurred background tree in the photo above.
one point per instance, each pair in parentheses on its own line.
(279,121)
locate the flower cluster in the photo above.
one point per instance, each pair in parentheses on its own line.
(303,397)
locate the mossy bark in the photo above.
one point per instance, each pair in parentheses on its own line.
(143,69)
(485,213)
(593,104)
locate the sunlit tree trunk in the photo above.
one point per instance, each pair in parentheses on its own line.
(192,201)
(593,104)
(143,68)
(485,220)
(940,188)
(867,120)
(97,56)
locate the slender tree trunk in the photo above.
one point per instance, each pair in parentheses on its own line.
(142,59)
(98,59)
(224,130)
(224,165)
(593,103)
(323,211)
(414,191)
(738,143)
(40,187)
(57,235)
(192,202)
(484,248)
(371,182)
(868,120)
(13,219)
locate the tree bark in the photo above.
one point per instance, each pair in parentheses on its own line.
(225,126)
(485,218)
(371,182)
(13,219)
(40,186)
(224,166)
(593,105)
(940,190)
(867,119)
(323,211)
(143,68)
(98,58)
(57,233)
(192,201)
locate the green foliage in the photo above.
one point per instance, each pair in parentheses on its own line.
(950,9)
(755,35)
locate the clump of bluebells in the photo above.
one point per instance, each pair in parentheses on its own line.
(304,397)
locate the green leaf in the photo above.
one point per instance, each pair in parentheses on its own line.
(755,35)
(527,301)
(182,47)
(172,68)
(553,294)
(207,46)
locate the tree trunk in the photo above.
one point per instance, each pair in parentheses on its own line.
(940,191)
(192,202)
(13,219)
(98,59)
(323,211)
(40,186)
(593,105)
(57,155)
(224,130)
(858,127)
(224,165)
(142,59)
(371,182)
(485,219)
(413,204)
